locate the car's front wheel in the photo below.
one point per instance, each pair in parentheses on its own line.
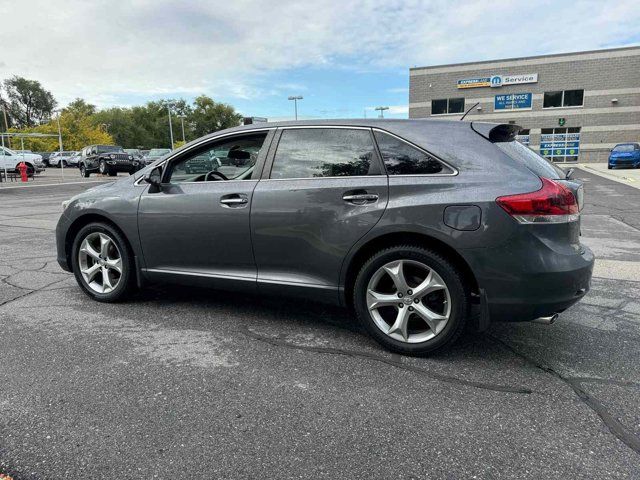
(84,172)
(102,263)
(411,300)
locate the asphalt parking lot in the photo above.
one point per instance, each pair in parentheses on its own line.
(184,383)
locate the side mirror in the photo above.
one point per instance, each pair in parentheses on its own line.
(154,177)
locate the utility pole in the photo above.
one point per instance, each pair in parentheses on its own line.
(182,120)
(381,110)
(6,123)
(170,126)
(60,145)
(295,99)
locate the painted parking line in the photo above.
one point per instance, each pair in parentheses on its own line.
(55,184)
(617,270)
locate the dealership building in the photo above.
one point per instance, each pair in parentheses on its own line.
(571,107)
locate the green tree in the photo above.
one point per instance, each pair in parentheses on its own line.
(28,103)
(210,116)
(80,107)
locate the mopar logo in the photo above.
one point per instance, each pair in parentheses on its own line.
(496,81)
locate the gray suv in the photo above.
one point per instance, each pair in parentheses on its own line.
(419,226)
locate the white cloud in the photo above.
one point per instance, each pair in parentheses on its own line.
(104,50)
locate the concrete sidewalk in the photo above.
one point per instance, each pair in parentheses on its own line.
(628,176)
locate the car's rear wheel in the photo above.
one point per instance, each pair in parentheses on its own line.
(102,263)
(411,300)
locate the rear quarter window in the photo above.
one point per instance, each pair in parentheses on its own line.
(400,158)
(530,159)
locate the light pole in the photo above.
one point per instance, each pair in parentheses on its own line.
(60,144)
(170,126)
(381,110)
(295,99)
(182,117)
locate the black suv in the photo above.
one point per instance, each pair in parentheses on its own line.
(107,159)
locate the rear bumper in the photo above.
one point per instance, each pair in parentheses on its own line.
(522,286)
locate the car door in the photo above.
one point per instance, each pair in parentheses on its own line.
(197,224)
(322,190)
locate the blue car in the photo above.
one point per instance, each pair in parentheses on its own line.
(625,155)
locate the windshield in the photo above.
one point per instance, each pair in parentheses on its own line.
(534,162)
(158,152)
(628,147)
(109,148)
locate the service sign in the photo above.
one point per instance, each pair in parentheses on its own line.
(496,81)
(512,101)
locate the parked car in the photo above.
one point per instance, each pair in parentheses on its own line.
(61,159)
(10,159)
(625,155)
(74,160)
(410,223)
(45,157)
(107,160)
(136,153)
(156,153)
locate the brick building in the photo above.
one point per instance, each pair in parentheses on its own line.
(572,107)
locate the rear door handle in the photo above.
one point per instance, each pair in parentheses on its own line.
(234,200)
(360,198)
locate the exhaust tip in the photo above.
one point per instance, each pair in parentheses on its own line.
(546,320)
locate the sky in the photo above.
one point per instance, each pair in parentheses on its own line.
(344,57)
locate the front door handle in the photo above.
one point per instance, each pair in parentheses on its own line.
(234,200)
(360,198)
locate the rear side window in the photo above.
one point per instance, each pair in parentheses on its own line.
(400,158)
(534,162)
(324,152)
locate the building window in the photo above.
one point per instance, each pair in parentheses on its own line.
(563,98)
(560,144)
(447,105)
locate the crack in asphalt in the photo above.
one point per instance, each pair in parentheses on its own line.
(28,292)
(614,425)
(394,363)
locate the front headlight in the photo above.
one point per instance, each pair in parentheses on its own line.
(112,156)
(65,204)
(130,157)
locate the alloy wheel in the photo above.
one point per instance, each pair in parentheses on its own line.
(100,262)
(408,301)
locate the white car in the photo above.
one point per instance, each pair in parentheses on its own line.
(61,159)
(9,160)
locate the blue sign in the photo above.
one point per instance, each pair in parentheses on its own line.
(560,145)
(512,101)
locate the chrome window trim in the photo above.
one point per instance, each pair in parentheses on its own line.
(454,170)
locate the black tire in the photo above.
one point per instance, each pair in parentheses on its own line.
(102,168)
(127,282)
(30,170)
(609,167)
(458,291)
(84,172)
(64,163)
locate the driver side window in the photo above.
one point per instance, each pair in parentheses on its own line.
(227,159)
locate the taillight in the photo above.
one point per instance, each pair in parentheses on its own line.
(553,203)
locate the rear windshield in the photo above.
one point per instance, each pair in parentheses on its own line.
(534,162)
(624,148)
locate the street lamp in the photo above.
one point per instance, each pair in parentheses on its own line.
(182,117)
(61,164)
(381,110)
(169,105)
(295,99)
